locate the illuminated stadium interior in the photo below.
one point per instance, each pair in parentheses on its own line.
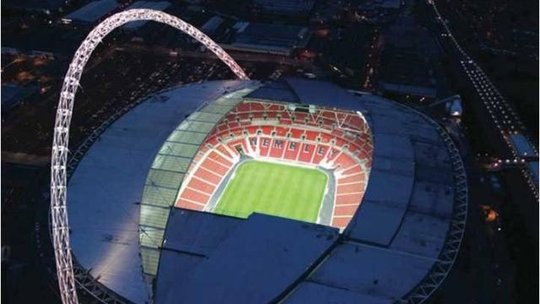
(336,142)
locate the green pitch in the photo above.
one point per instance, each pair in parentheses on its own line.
(275,189)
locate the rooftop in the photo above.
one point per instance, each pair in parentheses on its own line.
(280,248)
(93,11)
(270,38)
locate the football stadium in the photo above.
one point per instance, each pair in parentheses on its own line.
(287,191)
(294,161)
(244,191)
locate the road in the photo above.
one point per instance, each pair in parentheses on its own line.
(501,112)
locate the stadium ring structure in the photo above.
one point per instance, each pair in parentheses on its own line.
(143,186)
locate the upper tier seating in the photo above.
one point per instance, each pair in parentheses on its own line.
(337,141)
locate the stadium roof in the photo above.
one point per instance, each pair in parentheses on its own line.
(399,246)
(268,38)
(279,248)
(168,170)
(93,11)
(396,239)
(106,188)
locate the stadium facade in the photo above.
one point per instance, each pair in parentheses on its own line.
(143,238)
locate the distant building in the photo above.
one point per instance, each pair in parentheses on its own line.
(454,107)
(158,6)
(404,89)
(284,7)
(91,13)
(268,38)
(210,26)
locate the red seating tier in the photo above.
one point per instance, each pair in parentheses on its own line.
(267,130)
(351,188)
(290,153)
(219,159)
(208,176)
(255,106)
(324,144)
(280,131)
(341,222)
(243,107)
(264,146)
(347,199)
(189,205)
(345,210)
(201,186)
(277,148)
(353,178)
(320,153)
(214,166)
(311,135)
(306,153)
(352,170)
(194,196)
(296,133)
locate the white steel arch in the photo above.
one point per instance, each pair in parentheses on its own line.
(59,157)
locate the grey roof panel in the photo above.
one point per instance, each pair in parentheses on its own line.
(421,234)
(393,146)
(93,11)
(381,207)
(380,182)
(258,260)
(197,232)
(378,272)
(386,216)
(396,166)
(314,293)
(173,267)
(275,91)
(323,93)
(434,199)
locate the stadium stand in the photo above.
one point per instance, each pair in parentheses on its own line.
(335,140)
